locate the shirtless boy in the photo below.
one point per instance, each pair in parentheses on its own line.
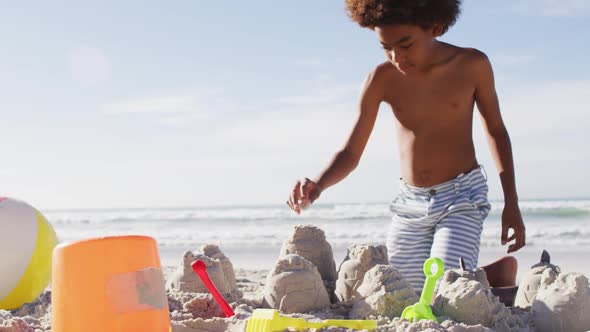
(431,87)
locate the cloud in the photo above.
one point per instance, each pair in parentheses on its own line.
(176,107)
(321,94)
(88,64)
(316,120)
(167,104)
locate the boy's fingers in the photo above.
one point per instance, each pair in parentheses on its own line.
(514,247)
(520,242)
(292,206)
(294,198)
(296,194)
(504,235)
(312,190)
(511,237)
(521,239)
(511,248)
(307,187)
(304,189)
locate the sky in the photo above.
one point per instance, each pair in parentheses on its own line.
(110,104)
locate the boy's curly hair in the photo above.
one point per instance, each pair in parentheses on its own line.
(423,13)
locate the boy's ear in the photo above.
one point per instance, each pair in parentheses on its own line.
(437,30)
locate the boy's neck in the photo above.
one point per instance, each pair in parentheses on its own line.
(440,54)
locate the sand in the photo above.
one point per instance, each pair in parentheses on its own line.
(295,284)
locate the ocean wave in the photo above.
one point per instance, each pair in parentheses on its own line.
(321,213)
(559,223)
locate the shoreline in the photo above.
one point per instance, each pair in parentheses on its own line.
(264,259)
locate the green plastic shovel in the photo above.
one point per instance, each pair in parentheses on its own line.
(422,310)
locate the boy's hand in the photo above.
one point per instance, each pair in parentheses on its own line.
(511,219)
(303,195)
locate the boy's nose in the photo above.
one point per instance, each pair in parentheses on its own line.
(398,59)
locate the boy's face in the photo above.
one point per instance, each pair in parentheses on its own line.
(407,46)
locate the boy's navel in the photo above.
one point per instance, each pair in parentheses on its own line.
(423,176)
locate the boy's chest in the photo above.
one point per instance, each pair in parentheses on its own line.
(444,99)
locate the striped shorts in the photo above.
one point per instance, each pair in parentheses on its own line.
(443,221)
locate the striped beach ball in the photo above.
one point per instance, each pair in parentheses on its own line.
(26,244)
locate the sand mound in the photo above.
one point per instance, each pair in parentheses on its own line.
(295,285)
(200,313)
(383,292)
(562,303)
(403,325)
(529,285)
(219,268)
(213,251)
(309,242)
(358,260)
(450,276)
(468,301)
(31,317)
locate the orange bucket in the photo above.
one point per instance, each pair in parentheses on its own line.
(111,284)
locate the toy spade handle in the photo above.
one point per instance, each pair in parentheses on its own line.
(201,270)
(430,283)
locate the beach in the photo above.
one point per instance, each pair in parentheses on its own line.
(252,239)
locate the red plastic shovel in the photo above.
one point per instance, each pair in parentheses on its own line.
(201,270)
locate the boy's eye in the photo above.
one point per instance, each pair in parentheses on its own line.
(407,46)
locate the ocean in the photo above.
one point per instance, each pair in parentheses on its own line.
(251,236)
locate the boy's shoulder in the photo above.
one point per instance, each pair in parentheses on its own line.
(474,56)
(476,63)
(463,57)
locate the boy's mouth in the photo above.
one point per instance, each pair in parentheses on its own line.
(404,67)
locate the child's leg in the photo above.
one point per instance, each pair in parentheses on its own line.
(408,247)
(502,273)
(458,231)
(502,278)
(410,234)
(457,235)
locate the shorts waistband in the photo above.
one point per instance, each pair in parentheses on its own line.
(459,180)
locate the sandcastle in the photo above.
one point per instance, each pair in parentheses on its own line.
(452,275)
(192,307)
(527,290)
(562,303)
(295,285)
(213,251)
(309,242)
(219,268)
(471,302)
(383,292)
(358,260)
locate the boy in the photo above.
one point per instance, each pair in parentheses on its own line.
(431,87)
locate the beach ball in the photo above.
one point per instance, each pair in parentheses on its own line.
(26,244)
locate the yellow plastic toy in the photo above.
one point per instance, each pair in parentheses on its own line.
(270,320)
(26,243)
(422,310)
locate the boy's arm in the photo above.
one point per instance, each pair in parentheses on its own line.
(499,141)
(348,157)
(346,160)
